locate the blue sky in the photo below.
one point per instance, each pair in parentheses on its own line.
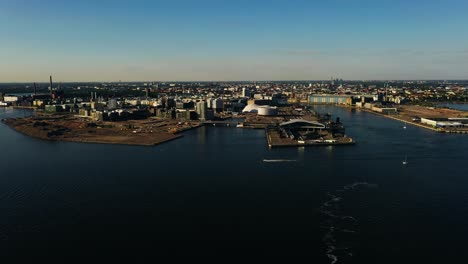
(232,40)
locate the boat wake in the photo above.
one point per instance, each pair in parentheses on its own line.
(278,160)
(340,229)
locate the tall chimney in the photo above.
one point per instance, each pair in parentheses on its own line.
(35,89)
(51,84)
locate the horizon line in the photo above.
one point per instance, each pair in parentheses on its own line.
(228,81)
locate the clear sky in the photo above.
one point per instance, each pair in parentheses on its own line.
(111,40)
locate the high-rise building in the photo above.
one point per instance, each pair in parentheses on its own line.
(209,115)
(245,92)
(112,104)
(170,103)
(50,78)
(217,105)
(201,109)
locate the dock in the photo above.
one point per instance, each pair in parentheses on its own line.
(235,123)
(417,124)
(274,139)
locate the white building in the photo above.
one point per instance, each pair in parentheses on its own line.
(201,109)
(266,110)
(10,99)
(209,102)
(444,122)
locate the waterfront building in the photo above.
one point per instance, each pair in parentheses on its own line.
(266,110)
(38,102)
(446,122)
(301,123)
(181,113)
(10,99)
(53,108)
(192,115)
(251,108)
(209,114)
(253,105)
(201,109)
(330,99)
(303,130)
(384,110)
(217,105)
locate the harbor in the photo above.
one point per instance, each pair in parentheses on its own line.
(289,127)
(297,177)
(299,133)
(440,120)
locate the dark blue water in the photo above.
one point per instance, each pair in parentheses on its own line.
(463,107)
(209,193)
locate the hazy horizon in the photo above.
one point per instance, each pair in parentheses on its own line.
(239,40)
(224,81)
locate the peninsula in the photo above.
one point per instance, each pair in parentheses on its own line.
(147,132)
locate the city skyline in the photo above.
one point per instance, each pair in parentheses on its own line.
(241,40)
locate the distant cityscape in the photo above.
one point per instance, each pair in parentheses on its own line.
(221,96)
(150,113)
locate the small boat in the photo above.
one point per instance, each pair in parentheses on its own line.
(240,125)
(405,161)
(404,126)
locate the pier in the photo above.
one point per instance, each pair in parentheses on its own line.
(418,124)
(221,122)
(234,124)
(274,139)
